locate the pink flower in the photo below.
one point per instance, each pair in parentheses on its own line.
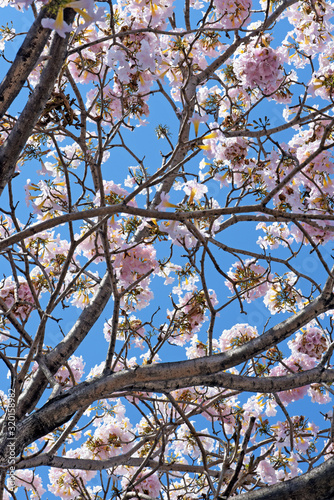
(310,341)
(84,289)
(164,202)
(185,444)
(113,194)
(249,278)
(112,437)
(266,471)
(282,294)
(194,190)
(260,67)
(30,481)
(296,362)
(239,334)
(196,119)
(49,199)
(150,485)
(67,483)
(231,14)
(190,315)
(74,370)
(318,394)
(17,297)
(83,7)
(58,24)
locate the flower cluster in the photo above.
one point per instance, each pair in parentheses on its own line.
(249,279)
(294,363)
(231,15)
(186,443)
(236,336)
(67,484)
(276,234)
(112,437)
(311,32)
(17,297)
(189,315)
(260,67)
(147,481)
(49,198)
(31,482)
(282,294)
(311,341)
(71,373)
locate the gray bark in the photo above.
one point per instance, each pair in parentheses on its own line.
(12,147)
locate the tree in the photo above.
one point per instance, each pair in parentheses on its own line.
(167,253)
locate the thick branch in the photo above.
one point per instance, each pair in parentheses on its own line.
(315,485)
(55,359)
(160,215)
(12,147)
(164,376)
(126,459)
(24,62)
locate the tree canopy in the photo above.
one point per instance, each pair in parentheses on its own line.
(166,246)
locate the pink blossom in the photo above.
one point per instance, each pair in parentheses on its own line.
(135,262)
(312,37)
(112,437)
(84,289)
(131,324)
(239,334)
(282,294)
(83,7)
(190,315)
(266,471)
(58,24)
(296,362)
(17,296)
(232,150)
(185,444)
(194,190)
(253,406)
(70,375)
(303,434)
(260,67)
(67,483)
(47,198)
(166,270)
(149,359)
(96,370)
(329,451)
(6,226)
(178,233)
(30,481)
(310,341)
(231,15)
(271,406)
(113,194)
(221,410)
(277,234)
(164,202)
(249,278)
(149,485)
(196,119)
(146,56)
(319,394)
(196,349)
